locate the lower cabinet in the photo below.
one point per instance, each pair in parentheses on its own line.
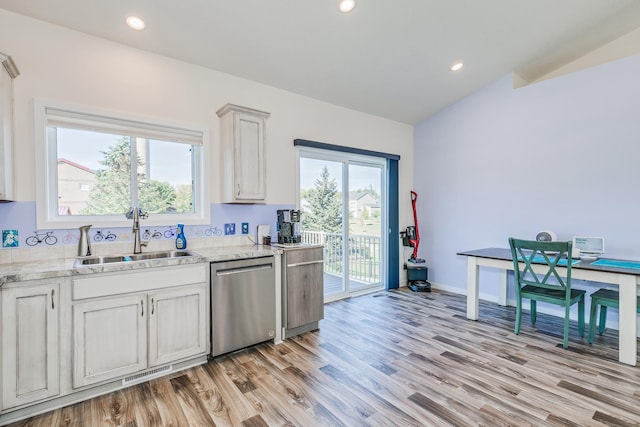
(178,325)
(30,343)
(303,290)
(79,335)
(109,338)
(118,336)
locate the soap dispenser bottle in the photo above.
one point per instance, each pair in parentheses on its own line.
(84,247)
(181,240)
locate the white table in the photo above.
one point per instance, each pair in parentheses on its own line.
(626,279)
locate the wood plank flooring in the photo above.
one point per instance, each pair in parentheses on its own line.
(390,359)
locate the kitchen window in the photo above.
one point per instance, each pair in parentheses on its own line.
(97,166)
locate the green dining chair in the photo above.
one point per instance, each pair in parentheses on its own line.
(603,298)
(547,285)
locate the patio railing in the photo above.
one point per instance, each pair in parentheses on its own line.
(364,254)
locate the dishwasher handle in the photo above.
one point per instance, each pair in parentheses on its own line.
(239,270)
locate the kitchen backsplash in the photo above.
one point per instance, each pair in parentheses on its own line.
(230,225)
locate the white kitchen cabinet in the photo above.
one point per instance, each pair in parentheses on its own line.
(8,72)
(178,325)
(110,338)
(125,323)
(30,343)
(242,133)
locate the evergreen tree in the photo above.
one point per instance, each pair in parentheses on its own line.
(156,197)
(184,199)
(111,194)
(324,211)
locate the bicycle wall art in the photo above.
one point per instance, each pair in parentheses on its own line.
(71,236)
(42,236)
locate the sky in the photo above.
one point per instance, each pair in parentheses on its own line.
(85,148)
(360,177)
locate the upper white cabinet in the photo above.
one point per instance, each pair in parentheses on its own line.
(242,133)
(8,71)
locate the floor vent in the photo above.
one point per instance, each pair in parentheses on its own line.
(145,376)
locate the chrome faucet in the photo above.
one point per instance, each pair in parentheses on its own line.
(136,215)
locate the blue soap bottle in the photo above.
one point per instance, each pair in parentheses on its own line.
(181,241)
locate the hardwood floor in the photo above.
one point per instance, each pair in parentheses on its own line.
(390,359)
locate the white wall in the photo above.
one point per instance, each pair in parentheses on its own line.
(60,64)
(63,65)
(562,155)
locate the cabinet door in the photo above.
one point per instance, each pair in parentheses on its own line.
(109,338)
(178,324)
(248,158)
(30,351)
(305,292)
(6,134)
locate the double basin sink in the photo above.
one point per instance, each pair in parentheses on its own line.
(147,256)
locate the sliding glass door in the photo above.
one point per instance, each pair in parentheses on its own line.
(364,238)
(320,200)
(341,197)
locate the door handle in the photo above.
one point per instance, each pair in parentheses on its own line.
(142,308)
(53,304)
(153,306)
(300,264)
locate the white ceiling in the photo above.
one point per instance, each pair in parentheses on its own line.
(389,58)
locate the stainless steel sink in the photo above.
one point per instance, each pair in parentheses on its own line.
(110,259)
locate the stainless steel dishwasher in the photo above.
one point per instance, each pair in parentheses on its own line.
(243,303)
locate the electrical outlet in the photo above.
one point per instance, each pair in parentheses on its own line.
(229,229)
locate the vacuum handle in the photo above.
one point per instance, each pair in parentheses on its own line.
(411,232)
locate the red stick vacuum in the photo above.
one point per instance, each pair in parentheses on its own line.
(413,233)
(417,272)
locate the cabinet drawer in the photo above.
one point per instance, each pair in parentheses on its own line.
(138,281)
(294,257)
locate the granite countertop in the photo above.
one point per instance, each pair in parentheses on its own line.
(229,253)
(63,267)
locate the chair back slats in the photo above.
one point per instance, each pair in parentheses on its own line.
(536,270)
(547,257)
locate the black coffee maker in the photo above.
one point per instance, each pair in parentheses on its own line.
(289,226)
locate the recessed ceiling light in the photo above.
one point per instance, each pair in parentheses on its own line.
(456,66)
(346,5)
(135,23)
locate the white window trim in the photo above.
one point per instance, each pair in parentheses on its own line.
(46,206)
